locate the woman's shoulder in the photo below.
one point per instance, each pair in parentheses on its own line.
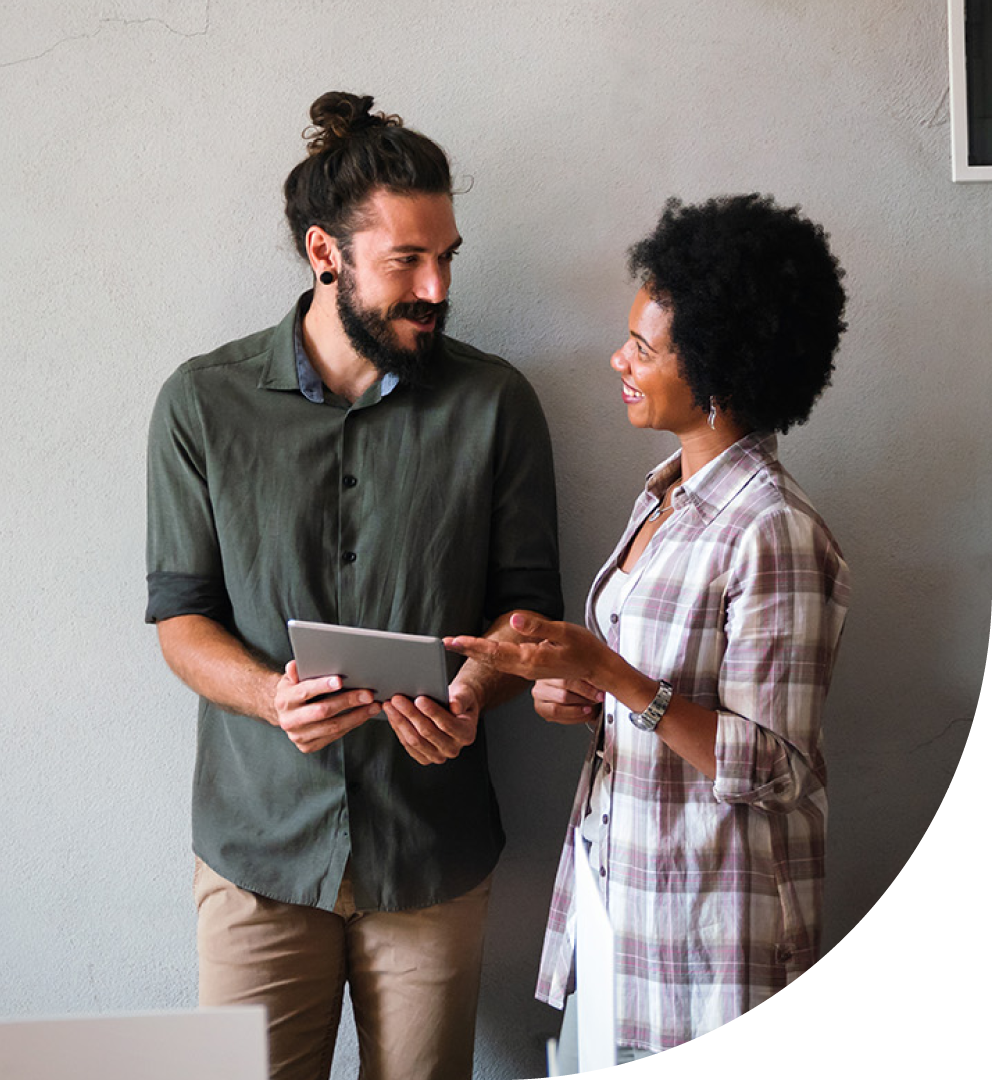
(774,513)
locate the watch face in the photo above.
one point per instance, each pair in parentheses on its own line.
(645,720)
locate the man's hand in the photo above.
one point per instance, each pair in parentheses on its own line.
(551,650)
(430,733)
(313,724)
(566,701)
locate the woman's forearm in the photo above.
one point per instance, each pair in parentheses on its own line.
(687,728)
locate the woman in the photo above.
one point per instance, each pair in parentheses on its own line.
(712,632)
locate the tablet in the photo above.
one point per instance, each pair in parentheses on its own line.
(384,662)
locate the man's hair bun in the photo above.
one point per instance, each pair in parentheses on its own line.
(336,116)
(352,153)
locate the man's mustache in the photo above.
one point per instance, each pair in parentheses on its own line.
(418,309)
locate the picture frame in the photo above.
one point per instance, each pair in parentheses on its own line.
(970,49)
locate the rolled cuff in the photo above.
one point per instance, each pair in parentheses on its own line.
(171,594)
(756,768)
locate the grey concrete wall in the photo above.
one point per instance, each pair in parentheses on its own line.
(142,151)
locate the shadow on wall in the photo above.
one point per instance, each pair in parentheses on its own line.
(535,766)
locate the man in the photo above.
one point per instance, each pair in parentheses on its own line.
(349,465)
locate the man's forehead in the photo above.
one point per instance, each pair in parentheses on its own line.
(416,222)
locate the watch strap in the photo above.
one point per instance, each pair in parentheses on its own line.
(652,716)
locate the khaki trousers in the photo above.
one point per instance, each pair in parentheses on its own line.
(413,975)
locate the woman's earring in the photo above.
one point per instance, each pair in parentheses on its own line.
(711,419)
(327,277)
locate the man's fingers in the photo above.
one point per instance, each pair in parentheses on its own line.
(310,736)
(313,724)
(432,724)
(429,730)
(312,709)
(461,708)
(291,692)
(420,749)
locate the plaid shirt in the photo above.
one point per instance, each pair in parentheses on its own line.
(714,887)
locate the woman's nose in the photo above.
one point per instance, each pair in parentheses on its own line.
(618,361)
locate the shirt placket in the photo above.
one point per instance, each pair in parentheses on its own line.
(352,552)
(612,741)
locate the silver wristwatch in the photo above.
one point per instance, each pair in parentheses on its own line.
(655,712)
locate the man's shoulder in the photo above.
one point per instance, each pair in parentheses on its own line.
(461,354)
(213,380)
(231,356)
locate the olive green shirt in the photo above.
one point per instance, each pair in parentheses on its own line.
(428,511)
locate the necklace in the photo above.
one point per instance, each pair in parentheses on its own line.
(661,508)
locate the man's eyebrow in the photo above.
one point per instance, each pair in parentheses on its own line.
(416,249)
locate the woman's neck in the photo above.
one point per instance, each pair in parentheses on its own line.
(701,445)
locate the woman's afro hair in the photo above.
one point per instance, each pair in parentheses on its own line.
(756,301)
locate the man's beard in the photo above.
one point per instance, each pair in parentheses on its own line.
(372,336)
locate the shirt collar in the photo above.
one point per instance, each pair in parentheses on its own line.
(289,367)
(716,484)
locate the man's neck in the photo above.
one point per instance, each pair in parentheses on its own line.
(342,370)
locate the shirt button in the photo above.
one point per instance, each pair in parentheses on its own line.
(606,819)
(614,618)
(609,768)
(349,556)
(350,481)
(602,871)
(609,718)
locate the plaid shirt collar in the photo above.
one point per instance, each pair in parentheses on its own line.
(720,480)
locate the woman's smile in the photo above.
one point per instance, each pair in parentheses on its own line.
(630,395)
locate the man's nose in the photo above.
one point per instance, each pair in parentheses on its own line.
(433,282)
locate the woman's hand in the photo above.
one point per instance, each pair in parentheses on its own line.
(566,701)
(555,650)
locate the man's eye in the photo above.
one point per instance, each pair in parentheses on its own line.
(448,256)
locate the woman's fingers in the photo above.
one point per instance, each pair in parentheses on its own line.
(534,626)
(503,655)
(559,650)
(565,714)
(567,692)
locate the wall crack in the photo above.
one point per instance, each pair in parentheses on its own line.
(940,734)
(111,21)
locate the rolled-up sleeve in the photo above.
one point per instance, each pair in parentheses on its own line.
(185,574)
(787,597)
